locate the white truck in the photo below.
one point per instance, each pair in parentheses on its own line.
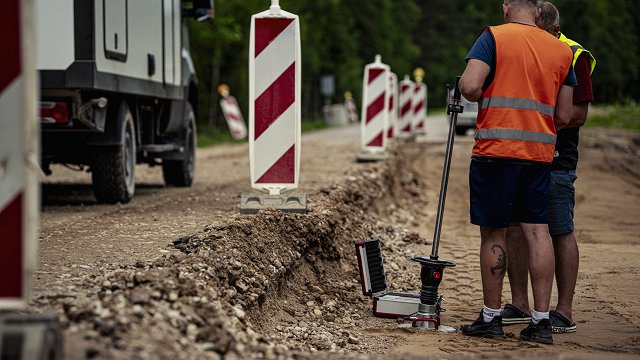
(118,88)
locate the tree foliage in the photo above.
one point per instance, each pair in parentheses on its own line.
(340,36)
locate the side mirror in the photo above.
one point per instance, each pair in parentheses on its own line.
(200,10)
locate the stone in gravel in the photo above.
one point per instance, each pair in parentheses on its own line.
(329,318)
(241,286)
(317,312)
(173,296)
(353,340)
(311,303)
(192,331)
(139,296)
(240,314)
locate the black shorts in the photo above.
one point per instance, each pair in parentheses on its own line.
(505,192)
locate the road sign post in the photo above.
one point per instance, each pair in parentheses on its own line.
(375,114)
(274,111)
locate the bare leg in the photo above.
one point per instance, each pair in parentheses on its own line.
(541,264)
(493,265)
(567,262)
(518,268)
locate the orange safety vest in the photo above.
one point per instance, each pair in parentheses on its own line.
(516,112)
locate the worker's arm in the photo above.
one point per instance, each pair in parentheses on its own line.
(579,116)
(473,79)
(564,107)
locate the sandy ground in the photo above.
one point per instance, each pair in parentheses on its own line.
(310,306)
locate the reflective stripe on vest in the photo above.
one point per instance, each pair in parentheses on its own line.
(577,50)
(519,104)
(510,134)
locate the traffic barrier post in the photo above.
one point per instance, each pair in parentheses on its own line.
(392,128)
(419,103)
(405,117)
(232,113)
(351,108)
(274,111)
(22,336)
(375,114)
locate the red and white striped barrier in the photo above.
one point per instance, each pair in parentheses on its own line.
(419,107)
(405,117)
(233,116)
(274,100)
(351,108)
(375,114)
(19,142)
(392,126)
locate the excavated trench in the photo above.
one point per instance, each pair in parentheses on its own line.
(272,285)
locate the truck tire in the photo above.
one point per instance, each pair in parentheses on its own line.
(113,173)
(181,172)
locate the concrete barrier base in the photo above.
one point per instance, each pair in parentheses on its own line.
(293,203)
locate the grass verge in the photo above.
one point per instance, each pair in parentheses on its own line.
(625,117)
(211,135)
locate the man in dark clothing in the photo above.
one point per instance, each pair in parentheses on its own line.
(561,198)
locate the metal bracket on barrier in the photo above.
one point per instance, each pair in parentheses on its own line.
(292,203)
(30,337)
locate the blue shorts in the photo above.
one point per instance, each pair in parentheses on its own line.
(505,192)
(562,200)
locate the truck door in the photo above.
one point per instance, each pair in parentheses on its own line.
(170,21)
(115,22)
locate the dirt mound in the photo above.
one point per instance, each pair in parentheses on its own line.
(217,292)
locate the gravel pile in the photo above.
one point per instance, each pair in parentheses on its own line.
(270,286)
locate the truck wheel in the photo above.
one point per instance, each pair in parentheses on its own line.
(113,172)
(181,172)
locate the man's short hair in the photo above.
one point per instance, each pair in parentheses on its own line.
(532,4)
(549,16)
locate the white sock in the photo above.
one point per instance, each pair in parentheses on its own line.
(488,313)
(537,316)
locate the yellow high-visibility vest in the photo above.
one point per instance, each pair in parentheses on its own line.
(577,51)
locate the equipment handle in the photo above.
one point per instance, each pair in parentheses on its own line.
(453,109)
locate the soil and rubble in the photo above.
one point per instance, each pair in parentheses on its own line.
(217,292)
(179,274)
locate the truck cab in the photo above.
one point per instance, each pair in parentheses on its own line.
(118,88)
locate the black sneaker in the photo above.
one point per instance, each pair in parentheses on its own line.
(540,332)
(479,328)
(512,315)
(560,324)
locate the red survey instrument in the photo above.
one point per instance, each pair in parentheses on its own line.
(375,114)
(274,110)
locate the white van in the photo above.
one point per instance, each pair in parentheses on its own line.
(118,87)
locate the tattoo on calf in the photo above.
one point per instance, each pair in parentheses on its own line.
(501,264)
